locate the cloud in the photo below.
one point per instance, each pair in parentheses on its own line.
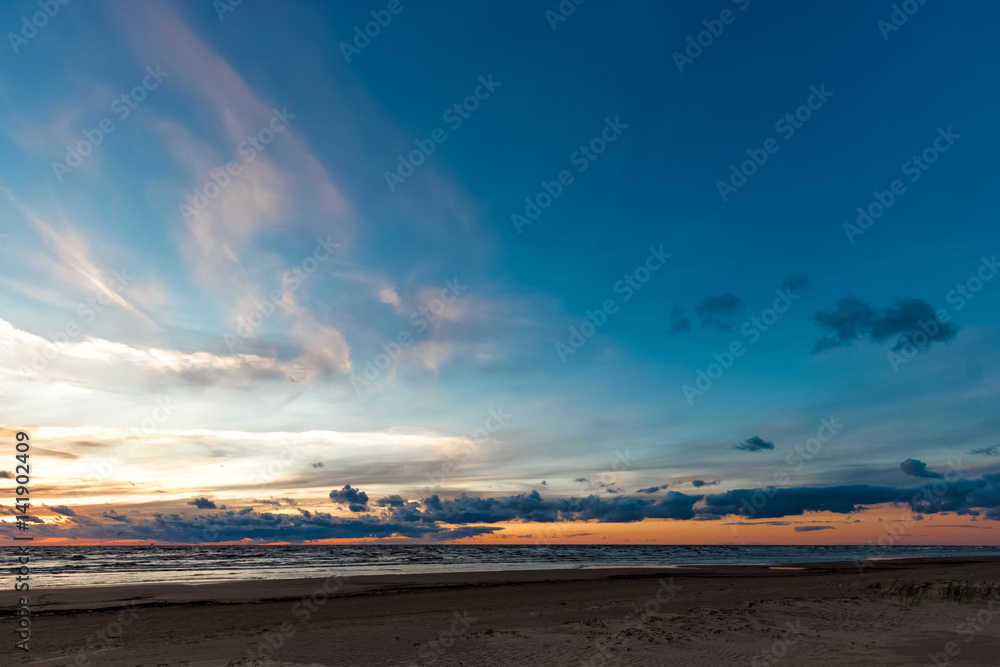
(427,519)
(916,468)
(853,320)
(356,501)
(679,321)
(202,503)
(318,464)
(794,501)
(758,523)
(716,311)
(963,494)
(250,525)
(62,509)
(987,451)
(532,507)
(76,265)
(755,444)
(805,529)
(284,180)
(152,364)
(983,494)
(389,296)
(5,475)
(324,347)
(698,483)
(651,489)
(274,501)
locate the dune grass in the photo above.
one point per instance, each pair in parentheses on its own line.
(911,593)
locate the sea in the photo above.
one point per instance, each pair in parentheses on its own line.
(61,566)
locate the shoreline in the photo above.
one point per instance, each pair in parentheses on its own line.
(294,588)
(798,565)
(822,614)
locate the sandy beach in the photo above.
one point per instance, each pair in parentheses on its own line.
(821,614)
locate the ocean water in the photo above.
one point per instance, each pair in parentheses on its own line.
(105,565)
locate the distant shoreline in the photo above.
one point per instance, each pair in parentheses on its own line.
(446,578)
(101,567)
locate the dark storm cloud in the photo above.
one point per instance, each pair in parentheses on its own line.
(202,503)
(356,501)
(916,468)
(698,483)
(532,507)
(853,320)
(932,498)
(755,444)
(235,526)
(717,311)
(679,321)
(805,529)
(391,501)
(792,502)
(983,493)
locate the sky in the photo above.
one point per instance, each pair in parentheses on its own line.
(501,272)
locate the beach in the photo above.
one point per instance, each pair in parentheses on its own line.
(888,613)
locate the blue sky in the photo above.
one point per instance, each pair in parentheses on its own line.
(256,309)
